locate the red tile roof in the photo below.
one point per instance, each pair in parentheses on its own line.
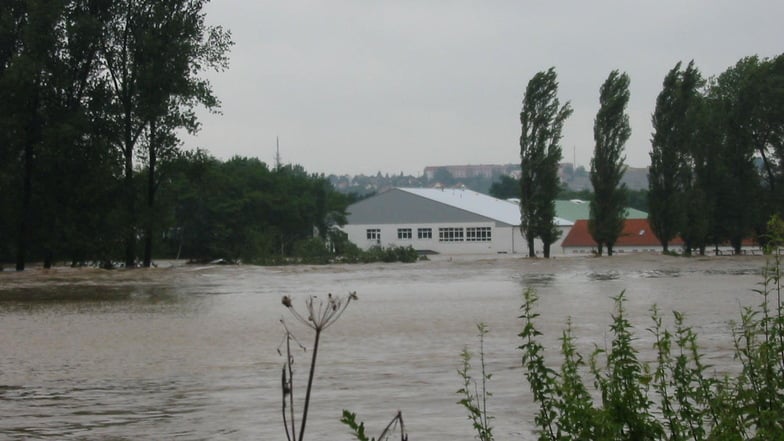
(636,233)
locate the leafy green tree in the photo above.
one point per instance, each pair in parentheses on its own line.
(755,112)
(637,199)
(121,42)
(670,169)
(240,209)
(610,131)
(47,52)
(12,20)
(74,170)
(153,53)
(542,119)
(506,187)
(738,205)
(761,93)
(27,55)
(701,189)
(177,45)
(694,228)
(191,178)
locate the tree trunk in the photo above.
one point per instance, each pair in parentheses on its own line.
(531,251)
(546,250)
(27,193)
(148,228)
(609,249)
(31,136)
(130,233)
(48,258)
(130,194)
(736,245)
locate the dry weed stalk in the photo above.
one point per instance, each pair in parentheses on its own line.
(319,316)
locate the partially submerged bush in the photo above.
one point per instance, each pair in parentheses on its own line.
(390,254)
(677,397)
(316,251)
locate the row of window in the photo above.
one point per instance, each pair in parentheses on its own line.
(448,234)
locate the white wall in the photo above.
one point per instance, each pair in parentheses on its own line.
(505,239)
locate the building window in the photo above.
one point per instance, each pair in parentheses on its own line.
(450,234)
(479,234)
(404,233)
(424,233)
(374,234)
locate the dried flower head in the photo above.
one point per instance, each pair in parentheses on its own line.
(320,313)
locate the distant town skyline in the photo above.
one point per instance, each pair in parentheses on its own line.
(360,87)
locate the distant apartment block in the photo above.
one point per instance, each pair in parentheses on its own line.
(474,171)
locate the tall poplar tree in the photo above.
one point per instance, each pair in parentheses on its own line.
(542,119)
(739,201)
(670,167)
(611,130)
(695,181)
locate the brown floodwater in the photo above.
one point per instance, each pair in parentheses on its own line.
(191,352)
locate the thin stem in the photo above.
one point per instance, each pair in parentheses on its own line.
(284,389)
(397,419)
(482,332)
(310,384)
(291,386)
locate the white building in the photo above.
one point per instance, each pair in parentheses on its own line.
(445,221)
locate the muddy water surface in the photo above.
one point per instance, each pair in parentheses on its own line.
(190,353)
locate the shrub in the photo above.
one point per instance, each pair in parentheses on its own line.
(677,397)
(390,254)
(312,251)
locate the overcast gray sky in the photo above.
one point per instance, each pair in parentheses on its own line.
(393,86)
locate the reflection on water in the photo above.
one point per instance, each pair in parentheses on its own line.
(190,352)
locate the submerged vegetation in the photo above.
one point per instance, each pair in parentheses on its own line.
(677,397)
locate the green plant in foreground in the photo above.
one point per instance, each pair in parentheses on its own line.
(680,399)
(475,397)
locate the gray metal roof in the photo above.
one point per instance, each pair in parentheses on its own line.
(477,203)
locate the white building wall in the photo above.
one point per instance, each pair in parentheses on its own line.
(504,239)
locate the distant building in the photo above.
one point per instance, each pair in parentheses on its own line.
(446,221)
(636,237)
(488,171)
(576,209)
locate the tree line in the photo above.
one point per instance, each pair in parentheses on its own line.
(94,96)
(717,156)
